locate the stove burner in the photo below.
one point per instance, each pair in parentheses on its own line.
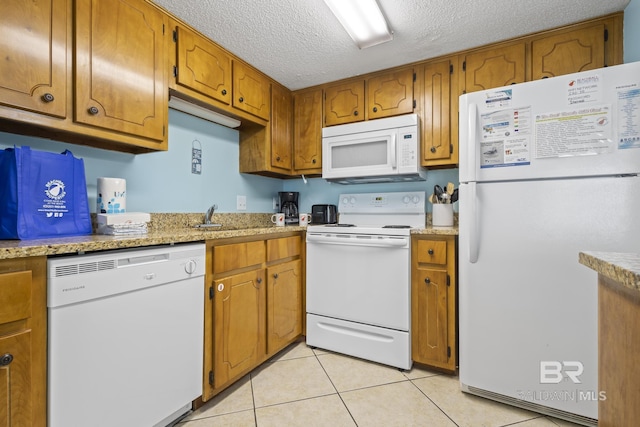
(396,226)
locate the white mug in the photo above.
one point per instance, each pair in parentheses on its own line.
(303,219)
(278,219)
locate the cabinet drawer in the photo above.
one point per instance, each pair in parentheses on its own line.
(283,248)
(15,296)
(432,251)
(238,255)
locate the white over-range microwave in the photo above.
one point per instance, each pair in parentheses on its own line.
(382,150)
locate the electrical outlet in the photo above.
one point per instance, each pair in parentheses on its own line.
(275,203)
(241,203)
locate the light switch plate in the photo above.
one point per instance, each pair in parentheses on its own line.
(241,203)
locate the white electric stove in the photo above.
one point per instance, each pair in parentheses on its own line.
(358,277)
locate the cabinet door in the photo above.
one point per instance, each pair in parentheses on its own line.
(203,66)
(436,112)
(500,66)
(120,71)
(251,91)
(430,315)
(344,103)
(390,94)
(284,305)
(281,123)
(307,132)
(579,50)
(34,55)
(239,324)
(15,380)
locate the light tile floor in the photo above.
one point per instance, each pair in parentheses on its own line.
(308,387)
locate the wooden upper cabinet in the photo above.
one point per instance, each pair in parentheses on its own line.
(34,56)
(344,103)
(121,78)
(307,132)
(202,66)
(390,94)
(570,52)
(436,112)
(281,123)
(495,67)
(251,91)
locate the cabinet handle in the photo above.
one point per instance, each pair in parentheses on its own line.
(259,280)
(355,113)
(93,111)
(313,161)
(224,91)
(241,99)
(275,275)
(432,149)
(47,97)
(430,251)
(278,159)
(375,109)
(427,280)
(6,359)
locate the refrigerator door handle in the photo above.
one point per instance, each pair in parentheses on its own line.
(472,166)
(474,221)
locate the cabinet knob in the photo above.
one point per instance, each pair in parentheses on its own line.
(432,149)
(313,161)
(278,159)
(224,91)
(47,97)
(430,251)
(93,110)
(375,109)
(427,280)
(259,280)
(6,359)
(355,113)
(241,99)
(275,275)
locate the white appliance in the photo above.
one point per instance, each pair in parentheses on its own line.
(547,169)
(125,336)
(358,277)
(382,150)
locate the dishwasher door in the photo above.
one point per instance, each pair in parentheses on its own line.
(125,336)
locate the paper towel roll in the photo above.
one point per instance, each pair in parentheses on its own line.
(112,195)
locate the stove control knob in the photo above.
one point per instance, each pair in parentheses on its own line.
(345,200)
(406,199)
(352,200)
(190,267)
(416,199)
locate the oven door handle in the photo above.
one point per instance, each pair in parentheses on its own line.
(358,240)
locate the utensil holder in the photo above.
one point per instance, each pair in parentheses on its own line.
(442,215)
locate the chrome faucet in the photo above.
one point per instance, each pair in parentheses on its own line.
(209,214)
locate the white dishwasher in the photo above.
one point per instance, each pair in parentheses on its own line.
(125,336)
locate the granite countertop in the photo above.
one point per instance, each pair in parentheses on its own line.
(623,268)
(165,229)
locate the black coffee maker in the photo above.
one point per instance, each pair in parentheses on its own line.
(289,206)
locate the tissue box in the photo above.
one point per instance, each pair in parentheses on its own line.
(123,223)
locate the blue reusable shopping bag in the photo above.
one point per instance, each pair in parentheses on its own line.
(42,194)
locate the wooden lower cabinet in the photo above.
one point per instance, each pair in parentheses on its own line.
(23,342)
(433,301)
(253,307)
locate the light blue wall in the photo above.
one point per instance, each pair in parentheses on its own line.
(632,32)
(162,182)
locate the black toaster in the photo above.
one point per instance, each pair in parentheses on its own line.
(324,214)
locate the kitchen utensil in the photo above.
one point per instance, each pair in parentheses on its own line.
(437,190)
(433,199)
(454,196)
(450,188)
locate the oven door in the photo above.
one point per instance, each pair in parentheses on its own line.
(360,154)
(359,278)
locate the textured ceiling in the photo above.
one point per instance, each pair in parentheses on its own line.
(299,43)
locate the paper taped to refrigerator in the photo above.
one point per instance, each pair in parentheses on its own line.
(506,138)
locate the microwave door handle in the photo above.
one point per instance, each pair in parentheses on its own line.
(394,152)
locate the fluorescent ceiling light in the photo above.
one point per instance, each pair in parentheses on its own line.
(363,20)
(203,113)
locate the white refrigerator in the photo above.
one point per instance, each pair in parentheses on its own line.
(547,169)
